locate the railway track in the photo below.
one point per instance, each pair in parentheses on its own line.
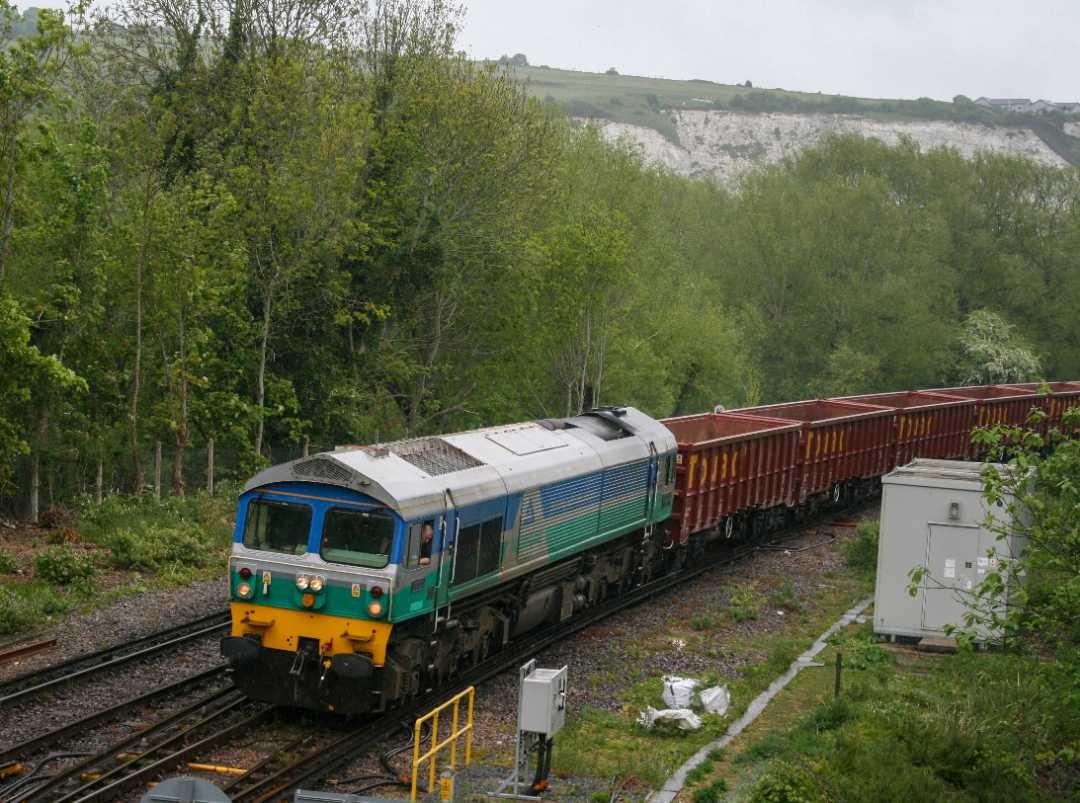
(158,749)
(35,682)
(65,733)
(145,754)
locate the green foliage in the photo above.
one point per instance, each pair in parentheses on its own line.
(861,552)
(993,353)
(7,564)
(63,565)
(746,602)
(143,533)
(784,783)
(359,238)
(860,651)
(703,622)
(711,793)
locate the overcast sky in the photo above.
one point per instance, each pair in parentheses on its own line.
(872,48)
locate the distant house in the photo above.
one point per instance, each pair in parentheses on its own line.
(1043,107)
(1005,104)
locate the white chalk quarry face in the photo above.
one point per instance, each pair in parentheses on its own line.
(727,145)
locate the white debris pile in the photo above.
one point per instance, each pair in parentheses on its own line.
(678,692)
(715,700)
(682,695)
(682,718)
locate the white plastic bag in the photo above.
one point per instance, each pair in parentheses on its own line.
(678,692)
(683,718)
(715,700)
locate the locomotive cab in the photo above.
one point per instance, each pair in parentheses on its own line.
(311,582)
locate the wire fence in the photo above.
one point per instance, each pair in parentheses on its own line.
(63,479)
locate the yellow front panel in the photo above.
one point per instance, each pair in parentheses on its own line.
(282,629)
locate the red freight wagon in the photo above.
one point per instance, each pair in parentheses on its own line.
(995,404)
(841,441)
(728,463)
(1062,396)
(927,424)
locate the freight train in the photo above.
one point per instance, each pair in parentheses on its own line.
(366,576)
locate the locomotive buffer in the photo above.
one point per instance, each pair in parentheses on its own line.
(541,714)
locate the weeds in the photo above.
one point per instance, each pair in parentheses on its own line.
(746,603)
(711,793)
(860,553)
(7,564)
(63,565)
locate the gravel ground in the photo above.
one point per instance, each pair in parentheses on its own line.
(127,618)
(608,658)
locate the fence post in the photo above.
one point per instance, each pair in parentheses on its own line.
(99,481)
(210,467)
(839,669)
(157,469)
(307,445)
(35,485)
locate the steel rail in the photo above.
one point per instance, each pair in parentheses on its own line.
(31,683)
(50,788)
(150,771)
(39,743)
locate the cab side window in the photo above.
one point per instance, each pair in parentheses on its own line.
(421,540)
(478,550)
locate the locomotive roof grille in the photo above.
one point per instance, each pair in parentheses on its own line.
(432,455)
(323,469)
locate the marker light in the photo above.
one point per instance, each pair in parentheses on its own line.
(374,609)
(245,573)
(308,600)
(302,582)
(376,592)
(316,584)
(243,591)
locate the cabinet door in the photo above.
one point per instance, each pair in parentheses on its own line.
(952,555)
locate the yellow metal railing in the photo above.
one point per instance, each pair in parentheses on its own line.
(451,740)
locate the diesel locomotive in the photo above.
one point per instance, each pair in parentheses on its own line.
(365,576)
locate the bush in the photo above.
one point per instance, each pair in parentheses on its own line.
(15,614)
(7,564)
(711,793)
(22,607)
(861,552)
(153,546)
(63,565)
(784,783)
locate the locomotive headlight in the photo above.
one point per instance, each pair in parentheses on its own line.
(302,582)
(243,591)
(375,609)
(316,584)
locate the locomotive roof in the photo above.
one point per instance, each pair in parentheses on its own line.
(423,476)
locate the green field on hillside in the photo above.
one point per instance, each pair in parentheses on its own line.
(644,101)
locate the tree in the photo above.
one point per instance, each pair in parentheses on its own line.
(992,352)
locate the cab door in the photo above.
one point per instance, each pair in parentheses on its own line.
(447,538)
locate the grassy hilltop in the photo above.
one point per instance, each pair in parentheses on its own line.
(647,102)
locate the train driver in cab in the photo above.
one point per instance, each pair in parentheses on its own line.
(427,536)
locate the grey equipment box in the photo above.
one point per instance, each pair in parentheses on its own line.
(543,701)
(933,514)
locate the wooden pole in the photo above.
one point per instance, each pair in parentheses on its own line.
(157,469)
(839,669)
(35,486)
(307,445)
(210,467)
(99,481)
